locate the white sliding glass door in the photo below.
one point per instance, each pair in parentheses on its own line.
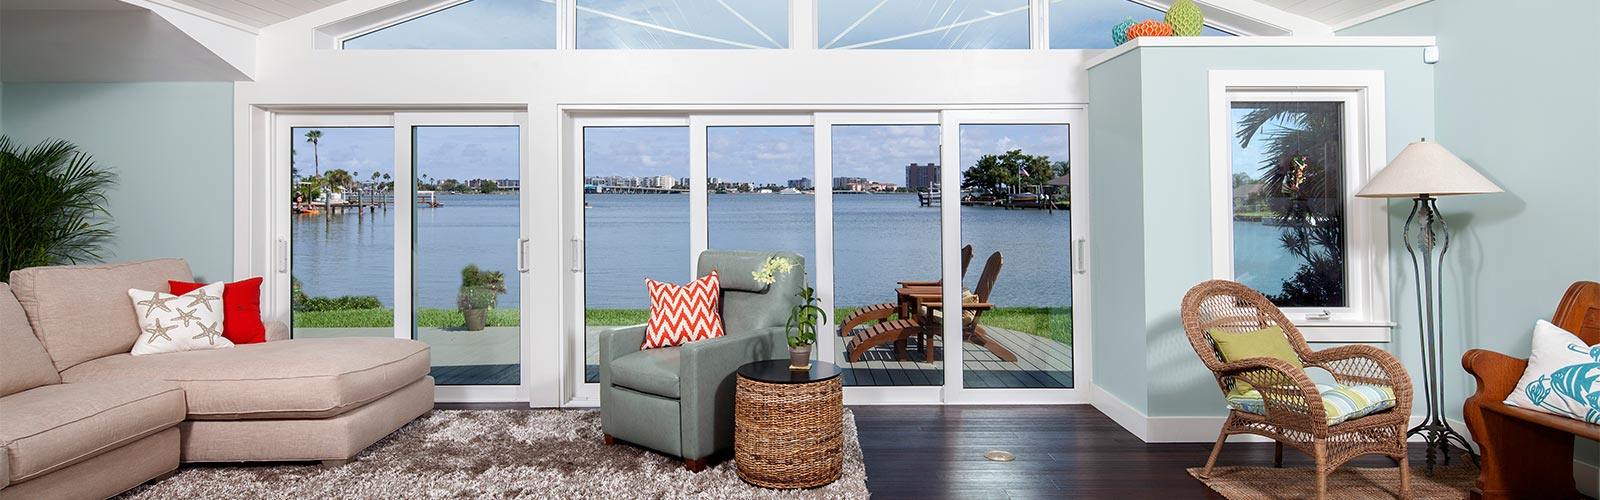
(1016,207)
(882,205)
(408,225)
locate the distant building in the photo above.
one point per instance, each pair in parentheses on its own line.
(665,181)
(921,176)
(513,184)
(803,183)
(843,183)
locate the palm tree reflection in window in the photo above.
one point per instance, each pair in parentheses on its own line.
(1301,177)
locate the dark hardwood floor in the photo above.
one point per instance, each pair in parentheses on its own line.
(1067,451)
(1070,451)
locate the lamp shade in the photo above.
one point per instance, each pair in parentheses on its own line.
(1426,168)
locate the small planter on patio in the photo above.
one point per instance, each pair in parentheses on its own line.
(479,292)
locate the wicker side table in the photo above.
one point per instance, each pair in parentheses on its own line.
(789,424)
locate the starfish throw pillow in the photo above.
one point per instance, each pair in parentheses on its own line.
(176,323)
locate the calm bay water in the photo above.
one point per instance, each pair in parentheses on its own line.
(878,240)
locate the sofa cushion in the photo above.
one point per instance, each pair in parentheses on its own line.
(653,371)
(23,363)
(305,378)
(54,426)
(82,312)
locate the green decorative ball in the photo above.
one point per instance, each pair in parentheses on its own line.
(1119,33)
(1185,18)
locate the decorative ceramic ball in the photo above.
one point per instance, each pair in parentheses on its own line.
(1119,33)
(1185,18)
(1150,27)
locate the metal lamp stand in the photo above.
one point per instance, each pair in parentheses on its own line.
(1431,232)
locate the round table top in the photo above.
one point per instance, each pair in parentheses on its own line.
(776,371)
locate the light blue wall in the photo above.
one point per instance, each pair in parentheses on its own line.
(1158,185)
(1517,93)
(171,145)
(1117,248)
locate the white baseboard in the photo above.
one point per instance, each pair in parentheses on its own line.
(1588,478)
(1205,429)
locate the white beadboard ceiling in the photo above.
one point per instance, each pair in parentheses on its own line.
(256,14)
(1333,12)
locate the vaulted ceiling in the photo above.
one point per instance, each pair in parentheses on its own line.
(262,13)
(1332,12)
(254,13)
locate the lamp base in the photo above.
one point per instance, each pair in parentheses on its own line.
(1439,436)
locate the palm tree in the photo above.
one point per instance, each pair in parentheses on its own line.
(315,137)
(1302,176)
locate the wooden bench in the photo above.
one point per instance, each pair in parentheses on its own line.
(1527,454)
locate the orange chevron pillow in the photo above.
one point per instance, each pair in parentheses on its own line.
(681,314)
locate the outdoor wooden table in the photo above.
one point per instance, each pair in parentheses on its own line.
(788,425)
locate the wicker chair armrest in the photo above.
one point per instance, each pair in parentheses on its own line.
(1290,397)
(1361,364)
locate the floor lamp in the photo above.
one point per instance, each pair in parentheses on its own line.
(1424,171)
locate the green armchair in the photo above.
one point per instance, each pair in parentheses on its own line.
(679,400)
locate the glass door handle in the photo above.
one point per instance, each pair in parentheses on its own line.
(1080,264)
(522,255)
(283,255)
(577,255)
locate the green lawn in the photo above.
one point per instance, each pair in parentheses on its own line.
(373,318)
(1050,322)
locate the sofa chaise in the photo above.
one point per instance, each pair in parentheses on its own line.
(82,418)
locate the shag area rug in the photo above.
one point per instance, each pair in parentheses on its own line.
(496,454)
(1250,483)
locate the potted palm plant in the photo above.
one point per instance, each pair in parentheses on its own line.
(480,290)
(801,328)
(53,206)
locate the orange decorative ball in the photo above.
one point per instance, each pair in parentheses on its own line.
(1150,27)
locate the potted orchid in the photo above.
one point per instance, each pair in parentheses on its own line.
(801,328)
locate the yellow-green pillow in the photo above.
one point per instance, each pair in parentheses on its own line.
(1268,342)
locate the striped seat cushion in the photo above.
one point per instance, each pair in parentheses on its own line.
(1341,402)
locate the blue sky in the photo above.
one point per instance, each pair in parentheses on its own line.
(736,154)
(530,24)
(460,153)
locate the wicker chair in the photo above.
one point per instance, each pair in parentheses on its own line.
(1294,411)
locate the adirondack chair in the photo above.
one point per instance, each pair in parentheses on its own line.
(901,306)
(925,323)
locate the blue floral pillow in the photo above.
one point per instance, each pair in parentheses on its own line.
(1563,376)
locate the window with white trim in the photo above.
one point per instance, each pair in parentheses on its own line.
(1287,161)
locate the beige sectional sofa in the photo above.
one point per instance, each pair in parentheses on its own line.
(82,418)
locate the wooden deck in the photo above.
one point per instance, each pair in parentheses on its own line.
(1041,363)
(476,375)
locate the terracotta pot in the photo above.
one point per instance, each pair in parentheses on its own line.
(476,319)
(800,357)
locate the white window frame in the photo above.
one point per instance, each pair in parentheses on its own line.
(1366,318)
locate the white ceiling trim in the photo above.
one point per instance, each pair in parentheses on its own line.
(234,45)
(1251,17)
(198,12)
(1390,9)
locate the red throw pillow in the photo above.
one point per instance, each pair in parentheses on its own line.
(680,314)
(242,299)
